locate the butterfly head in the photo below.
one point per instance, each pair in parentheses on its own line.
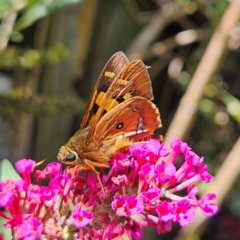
(67,156)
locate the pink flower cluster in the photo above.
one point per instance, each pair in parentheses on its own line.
(138,192)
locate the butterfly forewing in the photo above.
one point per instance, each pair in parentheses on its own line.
(109,73)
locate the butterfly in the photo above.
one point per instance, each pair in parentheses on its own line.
(119,113)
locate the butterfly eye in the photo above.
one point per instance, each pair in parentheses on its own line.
(119,125)
(71,156)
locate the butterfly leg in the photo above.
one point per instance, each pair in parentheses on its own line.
(74,170)
(88,163)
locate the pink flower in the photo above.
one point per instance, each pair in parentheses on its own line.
(165,211)
(184,213)
(6,198)
(31,228)
(25,226)
(114,232)
(119,205)
(25,166)
(52,169)
(208,209)
(149,152)
(45,194)
(136,192)
(163,227)
(148,173)
(178,147)
(133,230)
(81,217)
(120,179)
(203,173)
(151,196)
(192,158)
(134,205)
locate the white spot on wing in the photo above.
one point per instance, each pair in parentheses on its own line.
(139,131)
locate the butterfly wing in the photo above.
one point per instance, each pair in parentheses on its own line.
(132,117)
(109,73)
(132,81)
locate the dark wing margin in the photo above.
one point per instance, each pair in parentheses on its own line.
(107,76)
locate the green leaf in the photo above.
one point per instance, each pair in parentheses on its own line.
(6,232)
(16,36)
(232,104)
(38,10)
(7,171)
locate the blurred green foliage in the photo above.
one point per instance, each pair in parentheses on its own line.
(19,101)
(31,10)
(15,57)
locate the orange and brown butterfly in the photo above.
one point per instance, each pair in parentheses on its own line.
(120,112)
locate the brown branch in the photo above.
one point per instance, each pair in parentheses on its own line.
(86,22)
(208,66)
(223,181)
(182,121)
(6,27)
(183,38)
(169,12)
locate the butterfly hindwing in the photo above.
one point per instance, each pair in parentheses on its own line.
(132,117)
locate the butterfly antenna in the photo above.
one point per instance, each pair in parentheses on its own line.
(42,161)
(39,163)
